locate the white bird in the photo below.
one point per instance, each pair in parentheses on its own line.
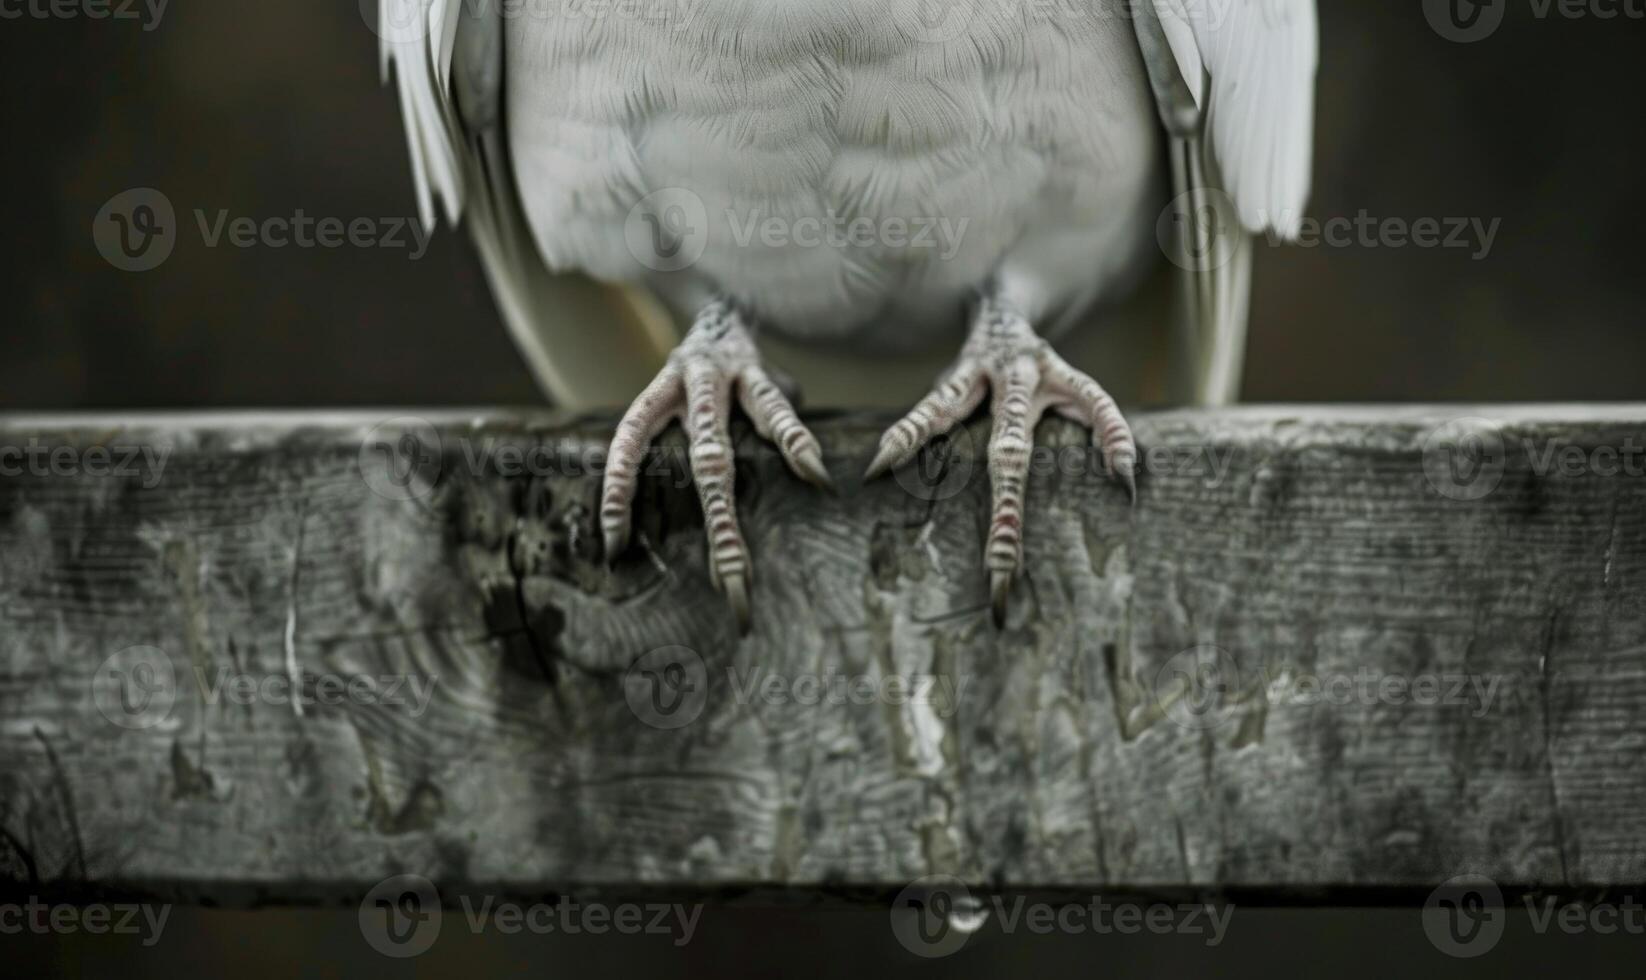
(871,175)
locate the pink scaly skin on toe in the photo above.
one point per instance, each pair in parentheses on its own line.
(717,358)
(1005,358)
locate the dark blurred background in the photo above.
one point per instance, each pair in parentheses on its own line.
(1358,944)
(262,108)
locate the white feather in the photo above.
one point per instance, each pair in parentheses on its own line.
(459,167)
(417,41)
(1259,57)
(1026,127)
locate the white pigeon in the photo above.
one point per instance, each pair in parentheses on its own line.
(871,175)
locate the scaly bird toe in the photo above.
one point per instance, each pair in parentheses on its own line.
(1024,378)
(715,365)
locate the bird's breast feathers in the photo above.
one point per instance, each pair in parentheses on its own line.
(834,166)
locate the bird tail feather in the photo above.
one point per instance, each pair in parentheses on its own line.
(589,344)
(1218,287)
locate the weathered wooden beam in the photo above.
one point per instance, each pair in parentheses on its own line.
(1328,649)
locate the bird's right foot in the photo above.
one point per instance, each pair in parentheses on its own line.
(716,358)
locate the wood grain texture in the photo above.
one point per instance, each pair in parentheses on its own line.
(1144,719)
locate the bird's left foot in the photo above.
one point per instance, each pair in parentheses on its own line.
(1005,358)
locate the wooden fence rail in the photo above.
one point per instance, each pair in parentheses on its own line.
(283,657)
